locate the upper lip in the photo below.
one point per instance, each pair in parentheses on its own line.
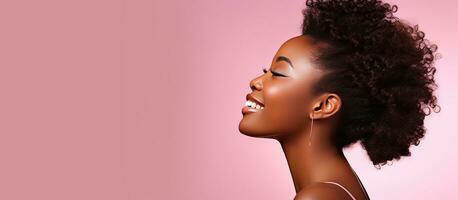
(252,98)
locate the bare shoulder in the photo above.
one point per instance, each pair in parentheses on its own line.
(322,191)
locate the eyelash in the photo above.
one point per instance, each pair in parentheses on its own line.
(274,73)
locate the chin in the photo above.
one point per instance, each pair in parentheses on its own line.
(245,129)
(249,129)
(255,130)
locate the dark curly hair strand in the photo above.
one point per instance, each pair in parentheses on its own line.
(381,67)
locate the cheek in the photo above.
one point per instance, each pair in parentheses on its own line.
(286,107)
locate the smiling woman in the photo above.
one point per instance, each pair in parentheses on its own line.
(356,73)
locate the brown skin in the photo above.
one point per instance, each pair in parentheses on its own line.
(286,117)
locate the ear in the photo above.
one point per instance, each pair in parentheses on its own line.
(326,106)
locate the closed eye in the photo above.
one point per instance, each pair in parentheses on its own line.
(273,72)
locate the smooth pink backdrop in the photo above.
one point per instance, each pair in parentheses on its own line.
(117,99)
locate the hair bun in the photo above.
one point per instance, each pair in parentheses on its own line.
(381,67)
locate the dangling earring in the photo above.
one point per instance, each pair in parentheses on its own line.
(311,129)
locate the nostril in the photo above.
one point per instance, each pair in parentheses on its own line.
(253,87)
(257,86)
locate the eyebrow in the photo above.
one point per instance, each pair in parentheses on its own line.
(283,58)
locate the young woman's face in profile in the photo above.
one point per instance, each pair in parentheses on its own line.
(284,92)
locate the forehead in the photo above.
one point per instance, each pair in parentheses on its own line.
(296,46)
(300,50)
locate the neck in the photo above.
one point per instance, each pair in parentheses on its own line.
(308,164)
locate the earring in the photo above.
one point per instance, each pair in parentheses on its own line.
(311,129)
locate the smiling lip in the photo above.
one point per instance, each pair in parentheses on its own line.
(251,98)
(247,110)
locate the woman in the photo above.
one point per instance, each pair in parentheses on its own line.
(356,73)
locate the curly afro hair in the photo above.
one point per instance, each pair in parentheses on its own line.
(381,67)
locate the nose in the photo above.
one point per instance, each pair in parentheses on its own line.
(256,84)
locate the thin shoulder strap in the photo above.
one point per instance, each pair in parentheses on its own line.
(342,188)
(359,181)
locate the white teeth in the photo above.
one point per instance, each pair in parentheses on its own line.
(253,105)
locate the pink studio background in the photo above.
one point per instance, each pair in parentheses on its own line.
(117,99)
